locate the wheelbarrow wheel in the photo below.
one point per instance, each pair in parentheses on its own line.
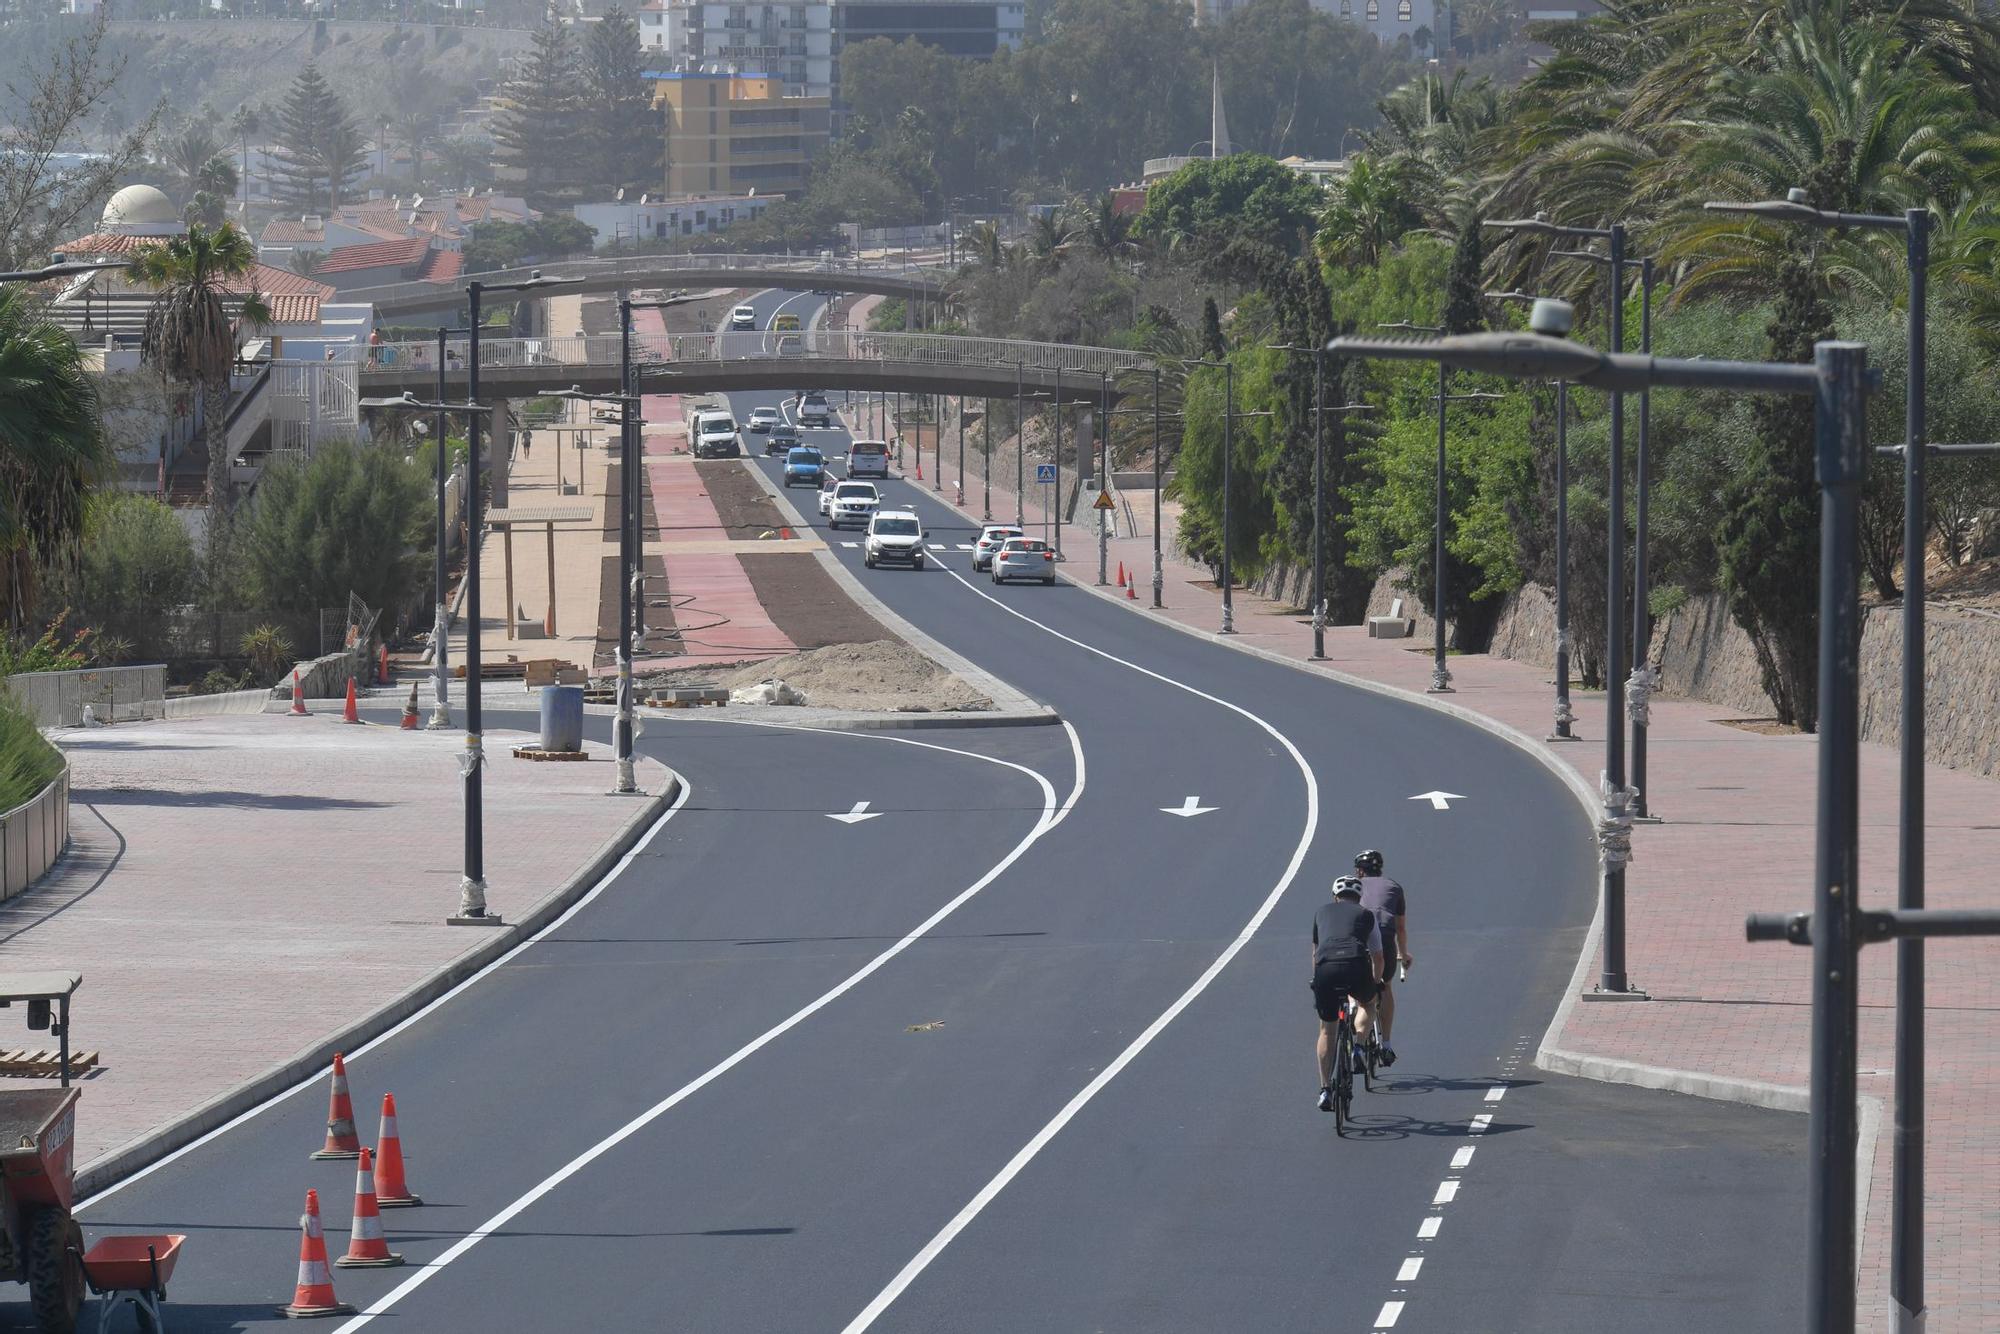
(55,1271)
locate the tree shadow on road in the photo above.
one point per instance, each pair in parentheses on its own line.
(213,797)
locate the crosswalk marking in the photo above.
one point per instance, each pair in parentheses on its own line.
(965,546)
(850,545)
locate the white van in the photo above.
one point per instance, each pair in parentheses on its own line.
(712,435)
(868,458)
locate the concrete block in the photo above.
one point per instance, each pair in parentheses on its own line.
(1391,627)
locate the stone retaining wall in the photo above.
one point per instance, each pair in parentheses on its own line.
(1703,655)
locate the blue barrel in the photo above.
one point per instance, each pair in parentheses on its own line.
(562,717)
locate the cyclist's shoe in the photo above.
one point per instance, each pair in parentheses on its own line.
(1326,1098)
(1388,1056)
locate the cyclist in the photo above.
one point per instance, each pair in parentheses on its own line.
(1347,962)
(1384,897)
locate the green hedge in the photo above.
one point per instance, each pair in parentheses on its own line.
(28,762)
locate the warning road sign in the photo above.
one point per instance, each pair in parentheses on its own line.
(1103,501)
(1045,472)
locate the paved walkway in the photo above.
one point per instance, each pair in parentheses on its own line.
(240,888)
(1737,838)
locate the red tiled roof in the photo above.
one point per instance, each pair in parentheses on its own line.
(280,231)
(376,255)
(442,266)
(106,243)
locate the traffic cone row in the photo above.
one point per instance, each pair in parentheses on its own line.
(349,712)
(298,698)
(379,1184)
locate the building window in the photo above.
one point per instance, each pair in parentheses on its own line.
(1403,11)
(1373,12)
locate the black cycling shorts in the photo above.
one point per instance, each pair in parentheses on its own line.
(1333,981)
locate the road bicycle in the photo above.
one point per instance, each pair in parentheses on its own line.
(1343,1067)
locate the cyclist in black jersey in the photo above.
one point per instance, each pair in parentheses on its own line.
(1347,962)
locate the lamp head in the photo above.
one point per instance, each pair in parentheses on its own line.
(1552,317)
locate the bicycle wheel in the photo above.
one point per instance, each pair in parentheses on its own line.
(1343,1080)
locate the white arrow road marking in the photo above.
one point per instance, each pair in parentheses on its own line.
(855,816)
(1440,801)
(1189,808)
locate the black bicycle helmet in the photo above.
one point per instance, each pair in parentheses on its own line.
(1347,884)
(1369,862)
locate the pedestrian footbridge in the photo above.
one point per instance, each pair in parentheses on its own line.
(708,363)
(876,277)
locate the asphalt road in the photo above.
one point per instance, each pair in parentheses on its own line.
(1027,1051)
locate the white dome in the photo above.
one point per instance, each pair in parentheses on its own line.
(139,207)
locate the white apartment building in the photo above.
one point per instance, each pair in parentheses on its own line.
(1393,19)
(798,42)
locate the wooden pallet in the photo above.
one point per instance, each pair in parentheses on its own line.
(45,1064)
(536,753)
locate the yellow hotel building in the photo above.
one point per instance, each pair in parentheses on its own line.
(734,134)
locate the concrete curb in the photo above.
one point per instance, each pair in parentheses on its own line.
(836,720)
(213,706)
(312,1061)
(1008,701)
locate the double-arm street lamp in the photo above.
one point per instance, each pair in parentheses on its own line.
(1564,716)
(67,269)
(1837,379)
(1618,798)
(1320,411)
(472,889)
(628,586)
(1229,416)
(1440,674)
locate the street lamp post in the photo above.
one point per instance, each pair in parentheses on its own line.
(440,628)
(1615,824)
(1906,1236)
(472,889)
(628,431)
(1103,473)
(1319,486)
(67,269)
(1056,507)
(1440,674)
(1837,379)
(1159,574)
(986,448)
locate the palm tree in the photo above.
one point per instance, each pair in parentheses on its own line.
(1365,215)
(198,162)
(1050,235)
(51,446)
(190,334)
(244,124)
(1107,231)
(415,132)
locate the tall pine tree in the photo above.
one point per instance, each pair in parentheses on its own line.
(624,138)
(317,157)
(539,133)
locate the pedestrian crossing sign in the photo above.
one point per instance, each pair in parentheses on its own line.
(1103,501)
(1045,472)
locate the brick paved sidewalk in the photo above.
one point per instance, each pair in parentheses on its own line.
(1737,838)
(240,888)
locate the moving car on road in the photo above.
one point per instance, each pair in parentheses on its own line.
(804,467)
(813,410)
(763,419)
(894,535)
(868,458)
(714,436)
(786,323)
(783,439)
(743,317)
(991,538)
(852,502)
(1024,558)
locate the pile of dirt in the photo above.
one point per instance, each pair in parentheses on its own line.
(883,675)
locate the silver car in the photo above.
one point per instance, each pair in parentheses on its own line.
(990,539)
(1024,558)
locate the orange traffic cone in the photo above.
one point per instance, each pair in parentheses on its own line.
(920,463)
(367,1248)
(314,1294)
(410,710)
(347,711)
(341,1141)
(1121,574)
(391,1191)
(298,698)
(1132,590)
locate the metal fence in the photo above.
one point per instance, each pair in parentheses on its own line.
(33,835)
(112,694)
(806,345)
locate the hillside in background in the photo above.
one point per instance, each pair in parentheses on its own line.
(379,68)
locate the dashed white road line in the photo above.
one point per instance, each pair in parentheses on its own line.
(1496,1094)
(1462,1159)
(1429,1227)
(1391,1312)
(1447,1191)
(1479,1124)
(1410,1269)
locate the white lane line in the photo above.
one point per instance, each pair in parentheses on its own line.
(1479,1124)
(1390,1314)
(987,1193)
(850,545)
(1052,815)
(1429,1227)
(1411,1266)
(1447,1191)
(318,1077)
(1496,1094)
(1459,1161)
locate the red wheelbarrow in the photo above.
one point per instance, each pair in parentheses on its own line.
(132,1269)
